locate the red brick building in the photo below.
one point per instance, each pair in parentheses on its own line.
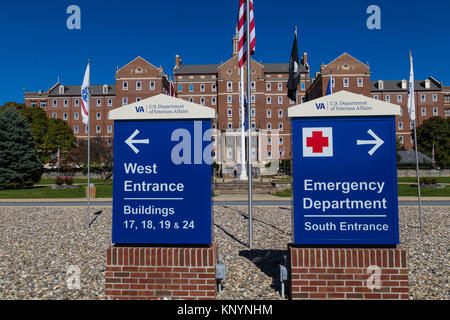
(218,86)
(431,97)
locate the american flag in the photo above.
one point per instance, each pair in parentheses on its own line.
(242,26)
(172,92)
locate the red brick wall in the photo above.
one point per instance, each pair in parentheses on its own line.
(342,273)
(161,272)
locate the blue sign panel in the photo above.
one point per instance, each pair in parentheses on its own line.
(345,181)
(162,182)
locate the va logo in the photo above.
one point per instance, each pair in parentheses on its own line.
(139,109)
(320,106)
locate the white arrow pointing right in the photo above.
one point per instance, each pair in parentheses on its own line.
(377,142)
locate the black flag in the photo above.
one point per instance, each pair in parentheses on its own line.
(294,72)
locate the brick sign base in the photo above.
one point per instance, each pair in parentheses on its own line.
(348,273)
(182,273)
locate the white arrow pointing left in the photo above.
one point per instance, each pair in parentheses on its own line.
(377,142)
(130,142)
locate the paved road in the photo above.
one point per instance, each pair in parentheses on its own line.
(219,203)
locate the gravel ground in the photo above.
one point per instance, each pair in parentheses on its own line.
(38,245)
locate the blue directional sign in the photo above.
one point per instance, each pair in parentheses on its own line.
(162,182)
(345,181)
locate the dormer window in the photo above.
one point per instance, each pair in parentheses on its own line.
(380,85)
(61,89)
(105,89)
(404,84)
(427,84)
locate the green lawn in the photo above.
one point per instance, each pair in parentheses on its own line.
(42,192)
(414,179)
(76,181)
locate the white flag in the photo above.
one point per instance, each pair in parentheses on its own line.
(411,102)
(85,96)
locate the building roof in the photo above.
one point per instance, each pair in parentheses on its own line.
(212,68)
(197,69)
(96,90)
(396,85)
(410,157)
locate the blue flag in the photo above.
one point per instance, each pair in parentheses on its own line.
(330,85)
(245,113)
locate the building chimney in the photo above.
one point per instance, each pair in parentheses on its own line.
(305,60)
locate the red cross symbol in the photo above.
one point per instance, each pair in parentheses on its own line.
(317,142)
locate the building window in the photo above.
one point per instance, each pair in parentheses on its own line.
(400,125)
(229,85)
(268,100)
(269,140)
(230,125)
(124,101)
(435,98)
(446,98)
(180,88)
(253,99)
(268,86)
(229,99)
(98,129)
(125,85)
(333,82)
(54,115)
(269,127)
(77,103)
(447,112)
(43,104)
(360,82)
(105,89)
(280,113)
(280,86)
(99,102)
(253,125)
(435,111)
(388,98)
(138,85)
(75,129)
(280,126)
(86,129)
(109,143)
(99,115)
(423,111)
(422,98)
(399,98)
(253,85)
(280,100)
(269,154)
(65,116)
(375,97)
(55,103)
(109,102)
(213,101)
(302,86)
(269,114)
(230,113)
(213,87)
(230,154)
(191,88)
(138,99)
(66,103)
(253,112)
(400,139)
(202,87)
(191,99)
(281,140)
(109,128)
(202,100)
(76,116)
(346,83)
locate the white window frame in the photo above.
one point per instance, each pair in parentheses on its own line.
(152,85)
(125,86)
(360,82)
(346,82)
(139,85)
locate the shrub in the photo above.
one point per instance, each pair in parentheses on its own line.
(59,180)
(428,180)
(68,181)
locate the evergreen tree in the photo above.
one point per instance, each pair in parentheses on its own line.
(435,130)
(19,164)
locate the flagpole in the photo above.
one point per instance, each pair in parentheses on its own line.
(89,152)
(249,144)
(417,156)
(243,175)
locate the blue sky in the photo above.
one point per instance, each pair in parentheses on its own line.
(37,47)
